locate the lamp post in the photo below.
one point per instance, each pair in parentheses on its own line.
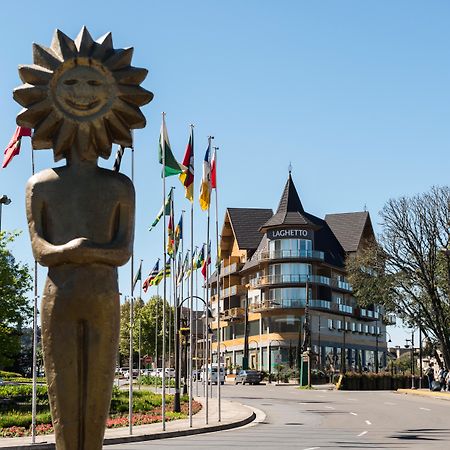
(207,317)
(270,359)
(245,355)
(4,200)
(412,358)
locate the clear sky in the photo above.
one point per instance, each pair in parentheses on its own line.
(354,94)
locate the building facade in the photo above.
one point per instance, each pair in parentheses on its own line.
(276,266)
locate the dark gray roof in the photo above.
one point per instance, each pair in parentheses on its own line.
(290,209)
(349,228)
(246,223)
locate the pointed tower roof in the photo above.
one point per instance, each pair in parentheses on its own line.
(290,210)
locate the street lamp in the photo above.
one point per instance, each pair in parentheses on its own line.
(412,358)
(4,200)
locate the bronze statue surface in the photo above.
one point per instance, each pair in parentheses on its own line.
(80,97)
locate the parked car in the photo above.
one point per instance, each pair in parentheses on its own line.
(126,374)
(212,374)
(1,382)
(248,376)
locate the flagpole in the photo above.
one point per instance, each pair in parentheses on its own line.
(176,400)
(35,313)
(163,403)
(191,306)
(219,416)
(140,310)
(196,318)
(130,373)
(156,337)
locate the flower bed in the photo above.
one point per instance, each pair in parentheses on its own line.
(15,416)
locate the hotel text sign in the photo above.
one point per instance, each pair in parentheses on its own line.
(289,233)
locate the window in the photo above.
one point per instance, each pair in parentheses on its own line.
(286,248)
(353,327)
(289,272)
(330,324)
(289,297)
(366,329)
(339,325)
(360,328)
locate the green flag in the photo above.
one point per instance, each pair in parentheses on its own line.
(138,276)
(165,207)
(171,165)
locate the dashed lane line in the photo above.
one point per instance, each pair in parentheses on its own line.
(353,414)
(425,409)
(362,434)
(368,422)
(330,407)
(311,448)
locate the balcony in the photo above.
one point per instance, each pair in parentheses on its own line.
(287,304)
(292,254)
(266,280)
(229,270)
(368,314)
(229,292)
(389,319)
(234,314)
(345,309)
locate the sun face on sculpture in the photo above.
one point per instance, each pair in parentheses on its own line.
(81,94)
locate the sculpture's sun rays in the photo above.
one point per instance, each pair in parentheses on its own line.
(81,92)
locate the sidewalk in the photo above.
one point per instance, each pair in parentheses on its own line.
(442,395)
(233,415)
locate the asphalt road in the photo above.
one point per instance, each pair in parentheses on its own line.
(319,419)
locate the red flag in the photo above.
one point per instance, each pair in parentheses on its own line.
(213,171)
(205,264)
(13,148)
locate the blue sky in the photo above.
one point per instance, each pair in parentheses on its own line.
(354,94)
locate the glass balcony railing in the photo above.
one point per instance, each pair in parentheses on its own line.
(296,278)
(289,303)
(292,254)
(345,309)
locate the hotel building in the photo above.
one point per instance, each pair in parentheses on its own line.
(268,261)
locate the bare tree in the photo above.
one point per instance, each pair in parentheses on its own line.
(408,270)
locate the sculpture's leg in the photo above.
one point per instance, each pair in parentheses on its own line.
(80,329)
(103,330)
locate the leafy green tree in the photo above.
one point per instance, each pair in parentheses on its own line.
(408,271)
(15,308)
(150,317)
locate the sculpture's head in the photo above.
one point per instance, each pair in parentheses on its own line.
(81,94)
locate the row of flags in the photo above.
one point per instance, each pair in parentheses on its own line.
(184,269)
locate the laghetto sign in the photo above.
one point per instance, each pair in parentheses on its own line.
(289,233)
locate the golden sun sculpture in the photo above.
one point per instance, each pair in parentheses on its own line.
(81,94)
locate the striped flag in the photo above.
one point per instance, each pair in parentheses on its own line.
(161,273)
(171,165)
(138,276)
(178,232)
(187,177)
(213,171)
(148,281)
(206,262)
(165,207)
(13,147)
(118,160)
(205,188)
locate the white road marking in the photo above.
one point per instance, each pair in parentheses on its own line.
(302,403)
(368,422)
(425,409)
(362,434)
(390,403)
(329,407)
(353,414)
(312,448)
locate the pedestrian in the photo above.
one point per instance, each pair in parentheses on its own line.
(447,381)
(442,375)
(430,375)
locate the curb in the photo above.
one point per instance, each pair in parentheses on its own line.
(150,437)
(432,394)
